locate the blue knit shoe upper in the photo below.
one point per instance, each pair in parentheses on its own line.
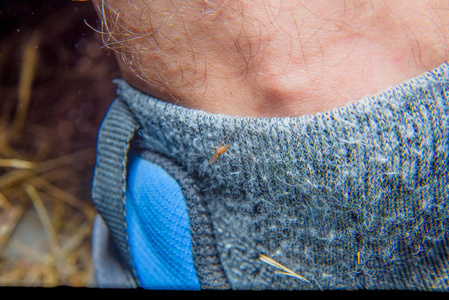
(158,228)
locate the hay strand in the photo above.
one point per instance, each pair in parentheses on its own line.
(29,64)
(285,270)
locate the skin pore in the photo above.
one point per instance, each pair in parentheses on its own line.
(269,58)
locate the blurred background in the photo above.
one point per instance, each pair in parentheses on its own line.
(55,87)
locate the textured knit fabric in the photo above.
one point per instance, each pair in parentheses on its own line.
(356,198)
(158,229)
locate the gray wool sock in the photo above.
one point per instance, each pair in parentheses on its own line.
(349,199)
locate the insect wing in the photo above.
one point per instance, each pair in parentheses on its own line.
(214,158)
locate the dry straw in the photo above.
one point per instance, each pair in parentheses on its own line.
(46,214)
(285,270)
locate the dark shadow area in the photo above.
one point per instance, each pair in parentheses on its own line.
(55,84)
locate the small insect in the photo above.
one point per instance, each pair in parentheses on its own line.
(219,152)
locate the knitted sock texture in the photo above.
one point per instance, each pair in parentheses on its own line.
(352,198)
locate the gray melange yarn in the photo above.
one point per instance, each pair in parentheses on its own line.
(353,198)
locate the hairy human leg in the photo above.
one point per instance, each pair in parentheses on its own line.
(273,58)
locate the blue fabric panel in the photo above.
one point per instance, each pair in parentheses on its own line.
(158,228)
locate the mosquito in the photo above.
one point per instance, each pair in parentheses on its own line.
(219,152)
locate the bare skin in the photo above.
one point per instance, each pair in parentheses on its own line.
(273,58)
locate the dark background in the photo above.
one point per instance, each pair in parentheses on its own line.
(45,207)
